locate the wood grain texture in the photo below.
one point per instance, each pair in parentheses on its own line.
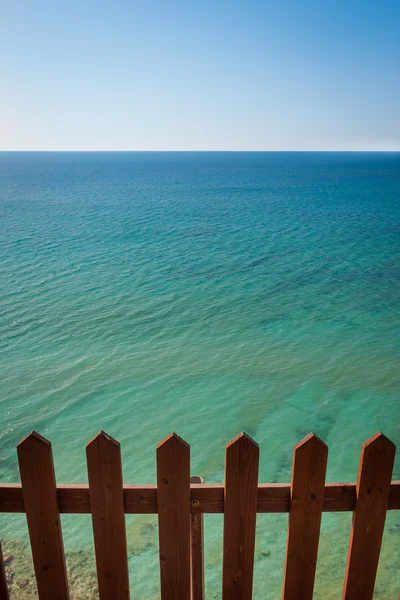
(373,487)
(241,482)
(3,582)
(104,465)
(142,499)
(197,548)
(40,500)
(173,483)
(307,499)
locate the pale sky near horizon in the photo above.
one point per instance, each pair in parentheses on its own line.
(210,75)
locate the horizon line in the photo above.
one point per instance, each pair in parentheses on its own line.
(392,151)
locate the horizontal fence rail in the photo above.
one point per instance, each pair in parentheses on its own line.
(180,502)
(204,499)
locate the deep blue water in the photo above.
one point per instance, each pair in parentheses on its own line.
(205,293)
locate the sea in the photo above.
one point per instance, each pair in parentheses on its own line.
(205,293)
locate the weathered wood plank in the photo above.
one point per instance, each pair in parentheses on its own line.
(173,485)
(40,499)
(3,582)
(307,498)
(142,499)
(373,487)
(197,548)
(104,465)
(241,481)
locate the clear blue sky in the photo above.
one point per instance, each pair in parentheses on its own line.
(204,75)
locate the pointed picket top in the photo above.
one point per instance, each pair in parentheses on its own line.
(33,439)
(171,440)
(103,452)
(310,441)
(104,439)
(242,441)
(380,442)
(376,461)
(310,453)
(378,450)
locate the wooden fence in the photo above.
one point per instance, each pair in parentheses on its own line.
(180,502)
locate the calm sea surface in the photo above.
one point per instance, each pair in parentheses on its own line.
(205,293)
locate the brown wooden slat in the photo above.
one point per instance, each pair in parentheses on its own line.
(373,486)
(3,582)
(40,497)
(142,499)
(173,481)
(307,498)
(11,498)
(273,498)
(394,497)
(241,481)
(339,497)
(104,465)
(197,548)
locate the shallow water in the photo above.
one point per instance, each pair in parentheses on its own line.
(205,293)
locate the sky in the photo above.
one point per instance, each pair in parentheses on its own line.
(204,75)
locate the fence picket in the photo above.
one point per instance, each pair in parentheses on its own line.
(373,486)
(197,548)
(108,516)
(241,484)
(307,499)
(40,498)
(173,488)
(3,582)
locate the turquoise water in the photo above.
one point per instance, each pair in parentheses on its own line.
(205,293)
